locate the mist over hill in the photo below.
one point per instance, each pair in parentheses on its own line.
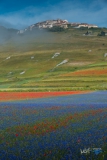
(7,33)
(38,30)
(45,33)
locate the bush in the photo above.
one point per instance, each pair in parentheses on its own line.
(102,33)
(56,29)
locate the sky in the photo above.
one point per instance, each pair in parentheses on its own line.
(23,13)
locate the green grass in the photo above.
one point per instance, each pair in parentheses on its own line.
(41,72)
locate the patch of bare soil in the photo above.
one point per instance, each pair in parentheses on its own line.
(79,63)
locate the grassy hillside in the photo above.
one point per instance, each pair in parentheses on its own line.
(26,62)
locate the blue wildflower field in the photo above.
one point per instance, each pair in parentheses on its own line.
(71,127)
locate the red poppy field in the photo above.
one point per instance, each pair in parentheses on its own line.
(29,95)
(89,72)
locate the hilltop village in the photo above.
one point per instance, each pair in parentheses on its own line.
(57,23)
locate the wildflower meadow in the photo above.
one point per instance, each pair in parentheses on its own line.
(53,125)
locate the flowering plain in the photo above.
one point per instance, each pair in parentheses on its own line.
(53,125)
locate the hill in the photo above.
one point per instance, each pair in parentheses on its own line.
(45,60)
(6,34)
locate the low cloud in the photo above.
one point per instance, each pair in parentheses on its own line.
(93,13)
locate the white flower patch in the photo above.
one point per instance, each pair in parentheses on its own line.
(8,58)
(90,50)
(10,73)
(32,57)
(56,55)
(105,55)
(63,62)
(22,72)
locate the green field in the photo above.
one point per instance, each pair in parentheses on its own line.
(41,73)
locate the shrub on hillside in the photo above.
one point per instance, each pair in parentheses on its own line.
(57,29)
(102,33)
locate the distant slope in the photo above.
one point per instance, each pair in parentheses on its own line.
(26,61)
(7,34)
